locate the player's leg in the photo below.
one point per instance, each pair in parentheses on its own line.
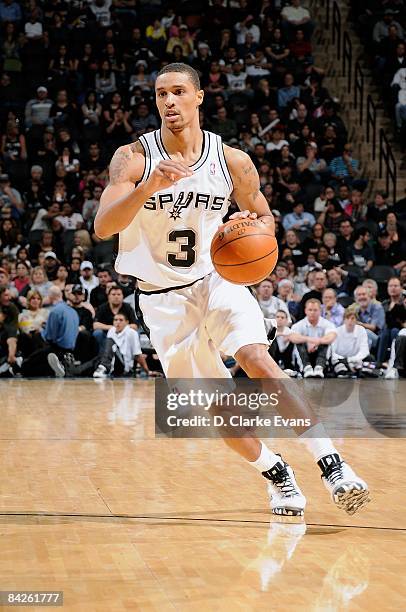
(177,325)
(347,490)
(233,315)
(235,324)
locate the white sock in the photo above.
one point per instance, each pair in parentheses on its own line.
(266,459)
(317,442)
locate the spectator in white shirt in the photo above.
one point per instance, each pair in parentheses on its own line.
(69,219)
(87,278)
(281,349)
(399,81)
(269,303)
(33,27)
(296,17)
(247,27)
(37,110)
(313,336)
(350,347)
(121,349)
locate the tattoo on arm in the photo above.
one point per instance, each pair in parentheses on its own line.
(118,170)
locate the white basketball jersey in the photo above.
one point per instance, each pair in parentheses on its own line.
(168,242)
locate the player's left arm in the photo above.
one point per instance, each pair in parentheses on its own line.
(247,193)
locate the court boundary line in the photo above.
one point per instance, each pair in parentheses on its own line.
(181,518)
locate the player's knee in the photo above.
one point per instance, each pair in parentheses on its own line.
(255,360)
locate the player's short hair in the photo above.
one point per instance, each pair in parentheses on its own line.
(184,69)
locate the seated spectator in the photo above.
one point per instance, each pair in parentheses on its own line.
(345,167)
(22,278)
(37,110)
(330,308)
(332,217)
(397,361)
(341,281)
(312,336)
(85,346)
(281,349)
(31,322)
(60,334)
(8,330)
(61,277)
(378,209)
(360,254)
(88,279)
(395,319)
(318,284)
(288,92)
(370,315)
(296,16)
(98,294)
(350,347)
(299,219)
(38,282)
(334,255)
(105,81)
(269,303)
(51,265)
(122,348)
(225,127)
(105,314)
(388,253)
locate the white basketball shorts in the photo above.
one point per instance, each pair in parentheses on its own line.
(189,327)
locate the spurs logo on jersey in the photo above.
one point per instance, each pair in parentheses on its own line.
(168,242)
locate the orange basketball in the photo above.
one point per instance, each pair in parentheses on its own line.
(244,252)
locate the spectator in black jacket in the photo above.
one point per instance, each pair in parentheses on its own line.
(105,314)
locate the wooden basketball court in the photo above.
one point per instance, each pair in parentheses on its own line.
(93,505)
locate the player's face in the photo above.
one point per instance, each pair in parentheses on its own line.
(177,100)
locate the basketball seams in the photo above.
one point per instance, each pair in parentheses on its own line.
(245,263)
(240,238)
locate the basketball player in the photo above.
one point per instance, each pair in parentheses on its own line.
(166,198)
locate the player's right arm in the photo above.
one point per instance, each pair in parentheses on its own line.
(121,201)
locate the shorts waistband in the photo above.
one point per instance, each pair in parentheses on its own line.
(167,289)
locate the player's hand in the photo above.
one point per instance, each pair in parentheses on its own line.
(167,173)
(241,214)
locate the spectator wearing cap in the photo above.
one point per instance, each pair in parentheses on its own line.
(38,109)
(98,295)
(87,278)
(299,219)
(183,40)
(381,28)
(105,315)
(51,264)
(85,346)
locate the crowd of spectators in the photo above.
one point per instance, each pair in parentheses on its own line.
(381,26)
(77,81)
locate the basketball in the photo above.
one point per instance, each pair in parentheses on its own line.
(244,252)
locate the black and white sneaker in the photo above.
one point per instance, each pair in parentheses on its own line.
(56,365)
(286,498)
(347,490)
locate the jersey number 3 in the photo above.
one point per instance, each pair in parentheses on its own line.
(186,255)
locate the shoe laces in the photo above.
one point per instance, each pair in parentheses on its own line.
(283,481)
(334,472)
